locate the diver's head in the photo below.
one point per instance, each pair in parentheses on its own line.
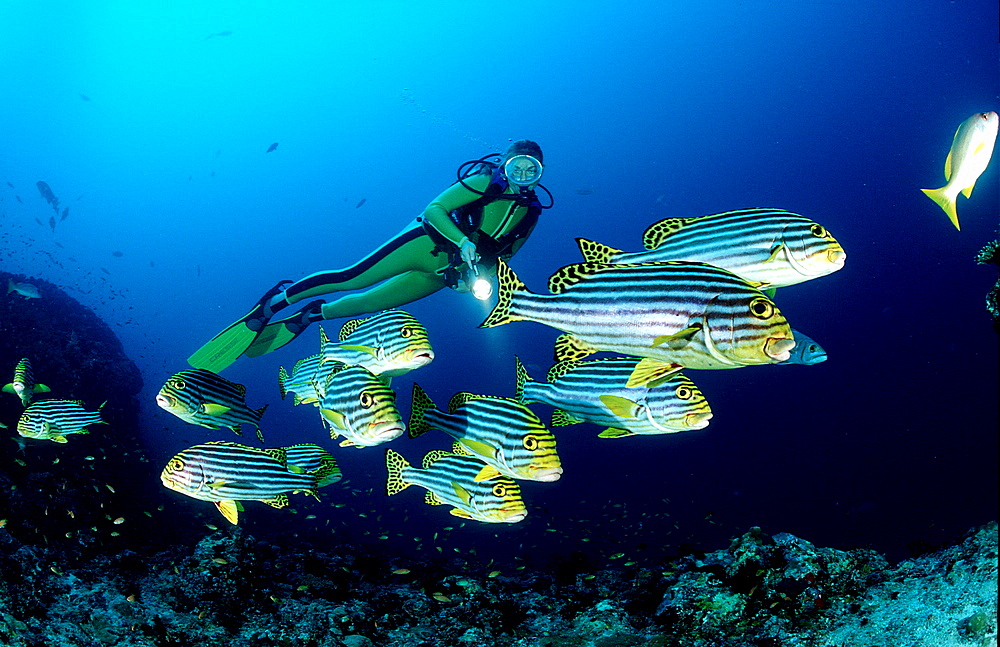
(522,163)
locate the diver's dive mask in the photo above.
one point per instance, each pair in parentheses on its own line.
(523,171)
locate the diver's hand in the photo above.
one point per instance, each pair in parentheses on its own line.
(467,249)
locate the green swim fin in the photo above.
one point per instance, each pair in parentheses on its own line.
(278,333)
(223,349)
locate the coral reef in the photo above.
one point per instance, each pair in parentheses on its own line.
(990,253)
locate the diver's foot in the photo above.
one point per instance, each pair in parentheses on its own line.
(278,333)
(223,349)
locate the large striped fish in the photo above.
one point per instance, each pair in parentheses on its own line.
(360,407)
(307,383)
(450,479)
(204,398)
(388,344)
(594,391)
(226,473)
(771,247)
(55,419)
(674,314)
(807,351)
(503,433)
(23,385)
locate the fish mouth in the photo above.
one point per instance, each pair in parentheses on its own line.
(164,402)
(697,420)
(837,256)
(514,517)
(422,358)
(546,474)
(779,349)
(383,432)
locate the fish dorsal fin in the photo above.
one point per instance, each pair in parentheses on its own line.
(462,514)
(335,418)
(651,372)
(213,409)
(460,398)
(612,432)
(570,275)
(230,510)
(488,472)
(463,495)
(659,231)
(433,456)
(596,252)
(432,499)
(349,327)
(460,449)
(301,362)
(280,501)
(569,348)
(560,369)
(561,418)
(679,339)
(479,448)
(621,407)
(324,339)
(277,454)
(239,388)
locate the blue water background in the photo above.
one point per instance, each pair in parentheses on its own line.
(152,126)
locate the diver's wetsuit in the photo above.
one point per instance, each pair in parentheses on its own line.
(412,264)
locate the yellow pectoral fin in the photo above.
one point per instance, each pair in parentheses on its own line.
(347,443)
(678,339)
(9,388)
(59,439)
(461,513)
(967,191)
(774,254)
(621,407)
(362,349)
(230,510)
(947,166)
(335,418)
(651,372)
(41,388)
(478,447)
(488,472)
(214,409)
(215,485)
(611,432)
(462,493)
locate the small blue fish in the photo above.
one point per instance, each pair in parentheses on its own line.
(807,351)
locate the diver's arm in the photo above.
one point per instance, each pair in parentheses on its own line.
(455,196)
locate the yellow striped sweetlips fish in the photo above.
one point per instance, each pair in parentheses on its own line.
(23,385)
(227,473)
(55,419)
(360,407)
(970,154)
(204,398)
(307,383)
(772,247)
(450,479)
(675,315)
(503,433)
(594,391)
(388,344)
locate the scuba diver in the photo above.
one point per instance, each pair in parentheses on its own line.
(486,215)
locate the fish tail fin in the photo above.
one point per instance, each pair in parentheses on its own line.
(394,464)
(521,378)
(419,405)
(595,252)
(259,413)
(507,285)
(10,285)
(282,378)
(946,202)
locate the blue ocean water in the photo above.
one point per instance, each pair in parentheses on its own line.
(151,124)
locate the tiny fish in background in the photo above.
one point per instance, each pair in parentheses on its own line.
(52,223)
(219,33)
(27,290)
(970,154)
(65,213)
(84,97)
(46,192)
(272,147)
(358,205)
(23,384)
(117,254)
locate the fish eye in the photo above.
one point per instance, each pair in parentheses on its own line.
(406,331)
(367,399)
(761,308)
(530,443)
(176,465)
(180,384)
(684,393)
(500,490)
(819,231)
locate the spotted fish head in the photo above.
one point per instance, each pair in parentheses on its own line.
(811,250)
(743,327)
(360,407)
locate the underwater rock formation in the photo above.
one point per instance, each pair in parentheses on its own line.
(232,590)
(990,253)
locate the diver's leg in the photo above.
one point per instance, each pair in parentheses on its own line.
(390,294)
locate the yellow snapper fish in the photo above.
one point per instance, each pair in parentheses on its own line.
(228,473)
(503,433)
(204,398)
(450,479)
(23,385)
(771,248)
(360,407)
(970,154)
(388,344)
(674,314)
(55,419)
(27,290)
